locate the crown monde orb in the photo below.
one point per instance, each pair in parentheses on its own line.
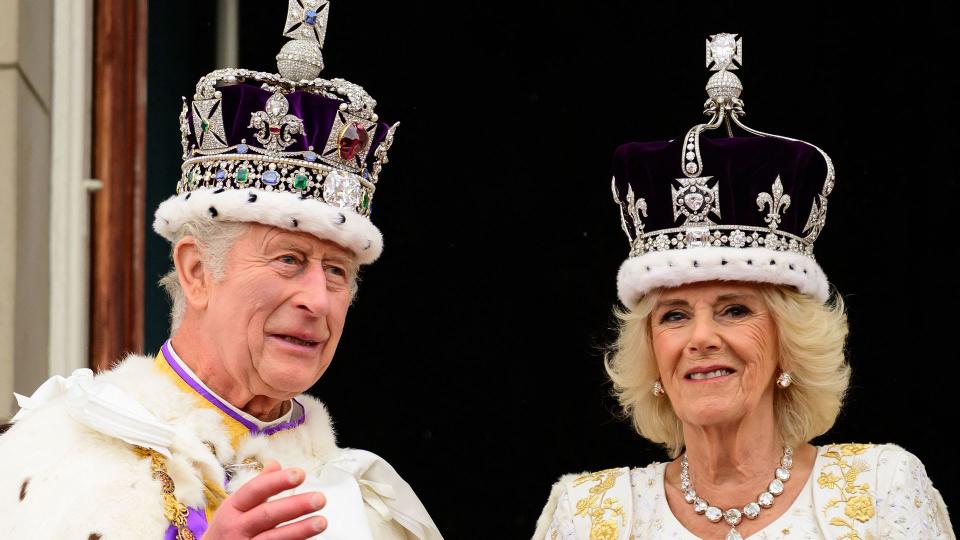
(300,60)
(724,84)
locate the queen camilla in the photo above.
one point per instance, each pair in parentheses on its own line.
(731,352)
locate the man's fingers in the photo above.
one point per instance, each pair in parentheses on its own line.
(300,530)
(264,486)
(270,514)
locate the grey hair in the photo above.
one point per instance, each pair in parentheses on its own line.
(214,240)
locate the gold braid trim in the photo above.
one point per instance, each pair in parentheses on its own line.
(173,510)
(213,493)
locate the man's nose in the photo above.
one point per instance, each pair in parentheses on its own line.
(313,295)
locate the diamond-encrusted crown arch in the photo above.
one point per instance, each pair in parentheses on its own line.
(355,99)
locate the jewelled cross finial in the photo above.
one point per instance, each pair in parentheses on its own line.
(276,127)
(724,52)
(307,19)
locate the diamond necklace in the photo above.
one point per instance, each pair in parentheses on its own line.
(733,516)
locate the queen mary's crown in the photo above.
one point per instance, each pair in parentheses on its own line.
(743,208)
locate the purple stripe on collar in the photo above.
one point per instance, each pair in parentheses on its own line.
(198,388)
(270,430)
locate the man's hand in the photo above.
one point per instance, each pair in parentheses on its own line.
(247,515)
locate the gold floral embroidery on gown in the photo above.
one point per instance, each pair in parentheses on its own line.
(841,474)
(605,513)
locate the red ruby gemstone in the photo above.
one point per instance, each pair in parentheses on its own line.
(353,138)
(275,129)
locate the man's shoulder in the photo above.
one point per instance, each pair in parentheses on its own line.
(55,473)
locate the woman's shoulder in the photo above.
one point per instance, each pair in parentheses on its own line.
(602,498)
(880,484)
(867,469)
(606,479)
(885,457)
(647,475)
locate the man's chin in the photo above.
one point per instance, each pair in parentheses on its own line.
(287,377)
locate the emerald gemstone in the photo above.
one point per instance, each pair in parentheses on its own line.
(204,124)
(300,181)
(365,202)
(242,173)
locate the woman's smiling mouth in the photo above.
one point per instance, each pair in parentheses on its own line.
(708,373)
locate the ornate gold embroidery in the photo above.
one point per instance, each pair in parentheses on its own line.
(173,510)
(606,514)
(856,498)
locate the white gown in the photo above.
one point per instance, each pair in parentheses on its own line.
(854,491)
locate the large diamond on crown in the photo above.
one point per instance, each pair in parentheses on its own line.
(342,190)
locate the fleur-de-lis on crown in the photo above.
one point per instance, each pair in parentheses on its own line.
(632,209)
(276,127)
(778,202)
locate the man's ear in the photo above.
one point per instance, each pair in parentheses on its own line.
(194,281)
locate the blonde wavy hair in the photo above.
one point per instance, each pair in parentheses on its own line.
(812,337)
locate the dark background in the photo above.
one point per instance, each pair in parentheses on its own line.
(472,358)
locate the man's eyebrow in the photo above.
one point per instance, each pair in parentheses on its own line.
(286,242)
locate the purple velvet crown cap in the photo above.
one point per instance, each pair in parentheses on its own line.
(741,167)
(241,100)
